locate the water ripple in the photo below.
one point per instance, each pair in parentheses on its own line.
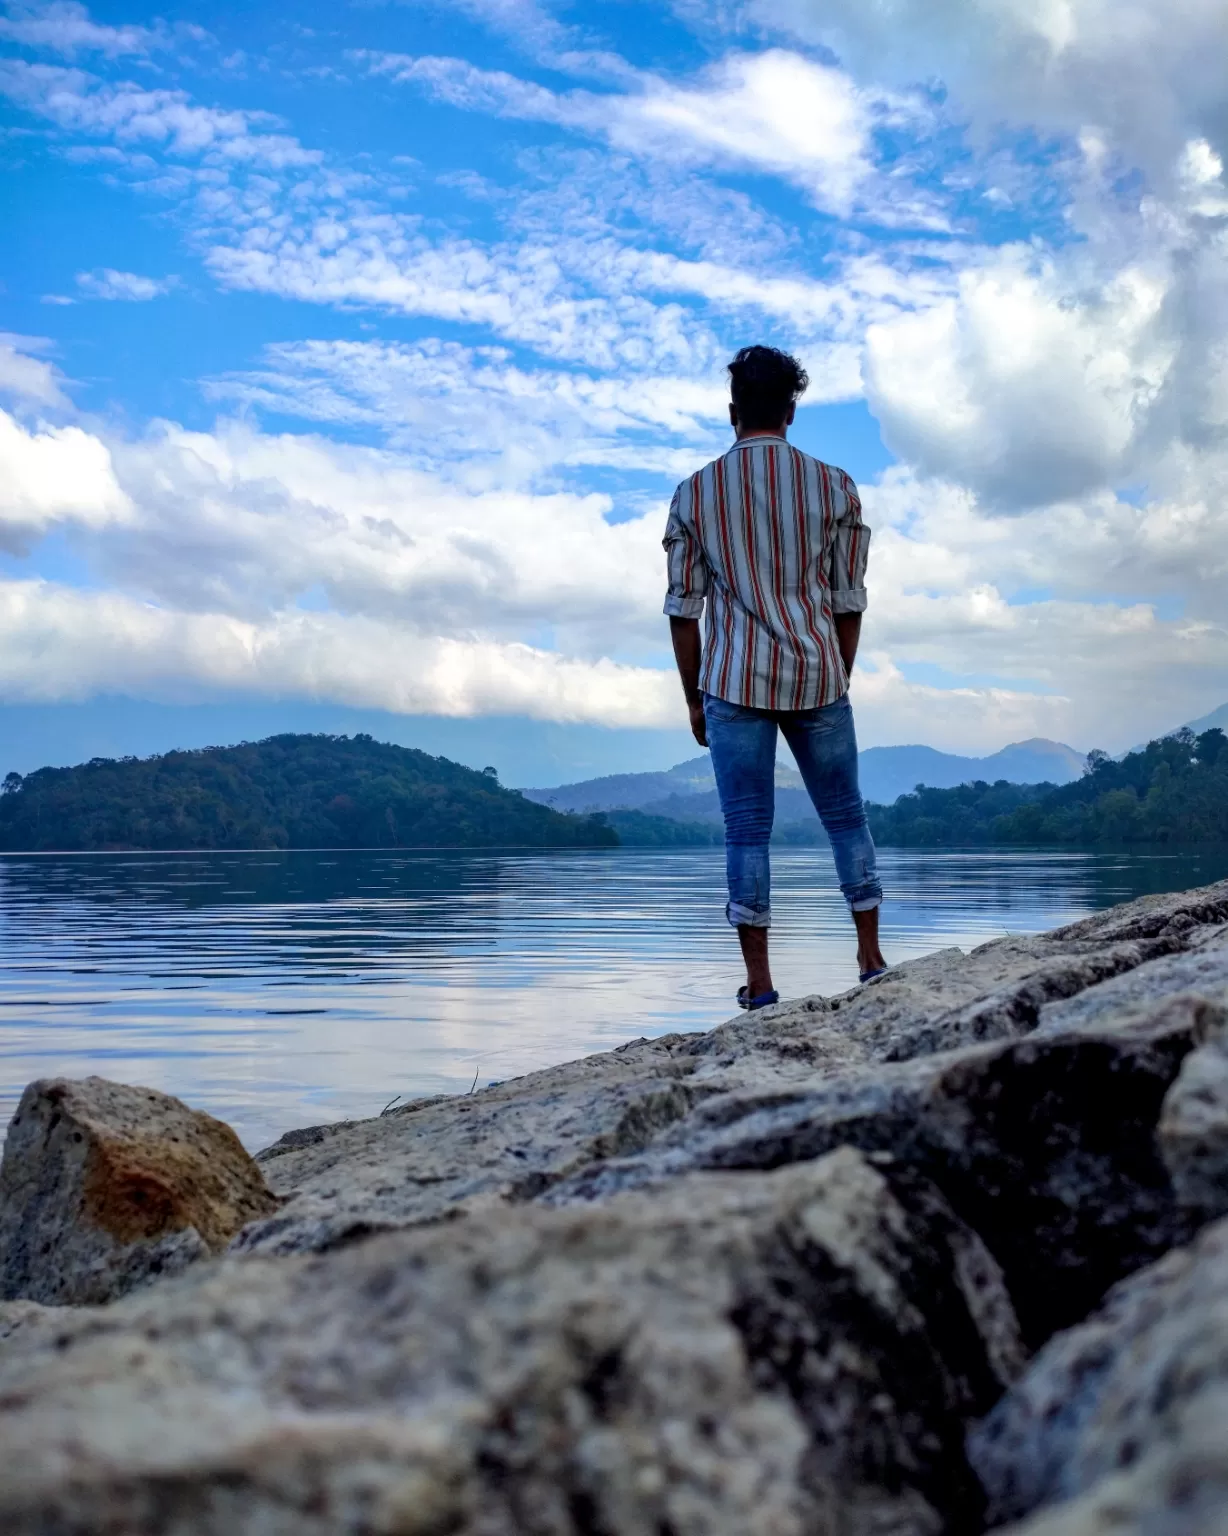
(280,989)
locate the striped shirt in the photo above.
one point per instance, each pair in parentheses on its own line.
(772,540)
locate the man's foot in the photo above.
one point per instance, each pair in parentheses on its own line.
(754,942)
(764,1000)
(870,961)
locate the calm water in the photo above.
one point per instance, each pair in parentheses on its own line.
(278,990)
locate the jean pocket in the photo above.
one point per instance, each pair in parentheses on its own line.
(721,710)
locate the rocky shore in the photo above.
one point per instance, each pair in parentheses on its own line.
(947,1253)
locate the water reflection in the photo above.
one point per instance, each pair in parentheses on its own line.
(280,988)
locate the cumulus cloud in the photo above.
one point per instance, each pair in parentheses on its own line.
(57,644)
(222,535)
(1018,387)
(242,522)
(107,283)
(1147,76)
(57,474)
(26,376)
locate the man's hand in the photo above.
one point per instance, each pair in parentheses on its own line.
(687,652)
(699,726)
(848,633)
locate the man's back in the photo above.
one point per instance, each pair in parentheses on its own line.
(772,539)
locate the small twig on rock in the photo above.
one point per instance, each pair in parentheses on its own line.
(476,1070)
(388,1106)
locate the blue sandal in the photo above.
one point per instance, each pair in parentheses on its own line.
(749,1003)
(872,975)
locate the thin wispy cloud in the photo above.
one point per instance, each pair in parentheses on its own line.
(129,287)
(67,28)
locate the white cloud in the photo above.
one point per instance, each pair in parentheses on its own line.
(65,27)
(28,377)
(128,113)
(57,474)
(1078,381)
(471,416)
(774,111)
(244,522)
(107,283)
(520,293)
(1020,386)
(60,644)
(1145,74)
(442,598)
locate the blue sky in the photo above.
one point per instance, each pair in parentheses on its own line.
(350,356)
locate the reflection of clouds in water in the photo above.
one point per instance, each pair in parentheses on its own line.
(196,973)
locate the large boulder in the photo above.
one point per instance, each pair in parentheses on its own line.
(518,1140)
(103,1187)
(1118,1425)
(738,1355)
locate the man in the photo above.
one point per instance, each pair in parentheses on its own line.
(773,542)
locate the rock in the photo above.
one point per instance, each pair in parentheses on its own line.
(1118,1424)
(436,1157)
(1047,1148)
(1193,1127)
(517,1140)
(757,1280)
(755,1354)
(103,1187)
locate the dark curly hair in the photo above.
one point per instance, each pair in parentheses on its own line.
(764,383)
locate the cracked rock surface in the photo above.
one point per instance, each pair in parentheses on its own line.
(838,1268)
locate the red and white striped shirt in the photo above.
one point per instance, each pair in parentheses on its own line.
(773,541)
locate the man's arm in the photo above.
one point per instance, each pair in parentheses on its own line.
(849,552)
(687,651)
(848,634)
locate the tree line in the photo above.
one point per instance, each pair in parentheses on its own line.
(291,791)
(1172,792)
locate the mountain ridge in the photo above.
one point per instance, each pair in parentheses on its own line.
(687,792)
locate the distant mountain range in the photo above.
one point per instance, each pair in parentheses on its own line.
(1216,720)
(687,792)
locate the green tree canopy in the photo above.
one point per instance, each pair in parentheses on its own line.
(1173,792)
(286,792)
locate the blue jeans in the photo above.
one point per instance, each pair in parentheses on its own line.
(743,746)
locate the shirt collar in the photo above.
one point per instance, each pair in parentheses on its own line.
(759,437)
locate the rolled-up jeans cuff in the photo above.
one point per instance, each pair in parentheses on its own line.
(748,917)
(863,903)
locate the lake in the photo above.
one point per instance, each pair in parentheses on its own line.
(286,989)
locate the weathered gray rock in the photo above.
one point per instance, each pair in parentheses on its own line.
(1119,1424)
(437,1157)
(103,1187)
(757,1355)
(758,1280)
(517,1140)
(1047,1146)
(1179,1489)
(1193,1128)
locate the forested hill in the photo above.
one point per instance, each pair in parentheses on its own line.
(1174,792)
(286,792)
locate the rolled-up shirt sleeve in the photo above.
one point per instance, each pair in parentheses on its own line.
(850,553)
(686,568)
